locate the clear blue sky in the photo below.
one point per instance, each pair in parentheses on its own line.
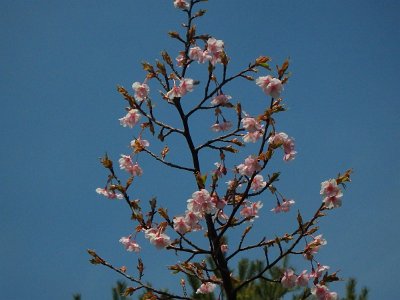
(60,62)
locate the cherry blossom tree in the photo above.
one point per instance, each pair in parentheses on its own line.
(227,197)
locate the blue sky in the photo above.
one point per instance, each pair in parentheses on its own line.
(60,62)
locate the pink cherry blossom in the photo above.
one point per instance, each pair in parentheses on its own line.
(218,202)
(289,279)
(251,124)
(316,273)
(222,216)
(221,99)
(214,49)
(249,167)
(175,92)
(313,247)
(288,148)
(136,170)
(302,279)
(192,220)
(181,59)
(250,209)
(258,183)
(221,170)
(181,4)
(214,45)
(157,238)
(321,292)
(125,163)
(109,194)
(333,202)
(224,126)
(231,184)
(141,90)
(180,225)
(129,244)
(224,248)
(284,206)
(329,188)
(201,202)
(139,142)
(148,233)
(282,139)
(254,128)
(278,139)
(161,240)
(271,86)
(197,54)
(186,85)
(206,288)
(131,118)
(333,194)
(253,136)
(319,240)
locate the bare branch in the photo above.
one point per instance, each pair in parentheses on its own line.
(172,165)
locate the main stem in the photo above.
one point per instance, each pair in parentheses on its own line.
(217,255)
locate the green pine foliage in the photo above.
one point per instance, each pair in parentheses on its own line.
(351,291)
(259,289)
(118,290)
(76,297)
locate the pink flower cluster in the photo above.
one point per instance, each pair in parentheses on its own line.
(321,292)
(130,245)
(223,126)
(284,206)
(232,183)
(141,90)
(125,163)
(221,99)
(258,183)
(250,210)
(181,59)
(254,128)
(250,166)
(290,279)
(212,54)
(332,194)
(317,273)
(198,206)
(201,203)
(131,118)
(282,139)
(139,142)
(181,224)
(185,86)
(220,170)
(206,288)
(181,4)
(270,85)
(157,237)
(313,247)
(109,194)
(215,48)
(197,54)
(192,220)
